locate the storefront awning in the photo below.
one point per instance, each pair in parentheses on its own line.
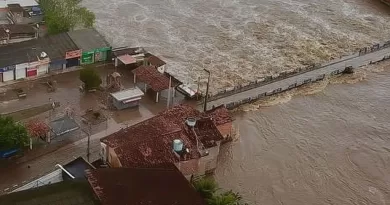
(127,59)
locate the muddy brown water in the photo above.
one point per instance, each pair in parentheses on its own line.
(329,147)
(241,40)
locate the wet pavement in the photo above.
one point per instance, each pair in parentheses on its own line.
(63,149)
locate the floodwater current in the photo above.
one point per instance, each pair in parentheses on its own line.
(329,147)
(241,40)
(322,146)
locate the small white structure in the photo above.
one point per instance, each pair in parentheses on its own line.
(127,98)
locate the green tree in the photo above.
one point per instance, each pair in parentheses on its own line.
(226,198)
(206,187)
(12,134)
(90,78)
(64,15)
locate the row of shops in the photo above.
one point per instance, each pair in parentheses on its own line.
(55,53)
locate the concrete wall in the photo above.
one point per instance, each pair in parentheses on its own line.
(273,78)
(113,159)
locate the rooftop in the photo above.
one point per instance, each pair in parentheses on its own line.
(135,186)
(127,94)
(27,51)
(155,61)
(23,52)
(88,39)
(220,115)
(77,168)
(151,76)
(18,28)
(150,142)
(130,51)
(75,192)
(23,3)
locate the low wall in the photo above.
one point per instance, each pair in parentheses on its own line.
(250,99)
(287,74)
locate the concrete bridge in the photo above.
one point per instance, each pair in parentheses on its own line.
(234,99)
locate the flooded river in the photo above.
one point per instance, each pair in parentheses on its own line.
(241,40)
(329,147)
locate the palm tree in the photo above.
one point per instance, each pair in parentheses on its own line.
(226,198)
(206,187)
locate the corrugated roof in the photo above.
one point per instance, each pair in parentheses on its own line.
(127,94)
(18,28)
(150,142)
(55,46)
(73,192)
(152,186)
(150,75)
(88,39)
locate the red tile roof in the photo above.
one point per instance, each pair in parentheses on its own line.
(150,75)
(220,115)
(152,186)
(150,142)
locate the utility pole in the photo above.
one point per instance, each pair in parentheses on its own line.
(169,91)
(207,91)
(89,139)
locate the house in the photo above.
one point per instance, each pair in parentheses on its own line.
(72,192)
(159,185)
(22,60)
(162,185)
(29,59)
(128,56)
(93,45)
(18,14)
(72,170)
(223,120)
(152,78)
(25,4)
(12,33)
(181,135)
(127,98)
(156,62)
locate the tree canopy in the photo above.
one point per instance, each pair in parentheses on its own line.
(12,134)
(208,189)
(90,78)
(64,15)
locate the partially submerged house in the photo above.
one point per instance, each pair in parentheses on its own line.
(181,135)
(153,79)
(156,62)
(128,56)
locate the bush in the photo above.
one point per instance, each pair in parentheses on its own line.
(12,134)
(90,78)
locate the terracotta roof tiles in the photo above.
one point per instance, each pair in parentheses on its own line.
(150,142)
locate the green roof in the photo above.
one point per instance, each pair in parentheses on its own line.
(73,192)
(88,39)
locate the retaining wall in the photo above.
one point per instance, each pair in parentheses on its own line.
(271,79)
(287,74)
